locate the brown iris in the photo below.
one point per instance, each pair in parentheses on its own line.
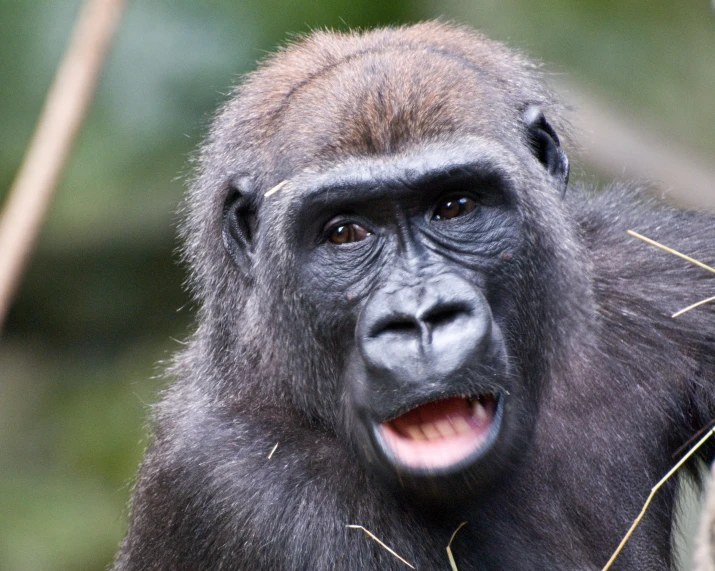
(346,233)
(453,207)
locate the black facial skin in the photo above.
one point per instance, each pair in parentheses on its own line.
(413,271)
(422,248)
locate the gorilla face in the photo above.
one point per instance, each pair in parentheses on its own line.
(412,263)
(416,269)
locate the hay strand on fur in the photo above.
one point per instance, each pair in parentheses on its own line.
(698,304)
(452,563)
(671,251)
(275,189)
(684,257)
(372,536)
(693,438)
(272,451)
(653,491)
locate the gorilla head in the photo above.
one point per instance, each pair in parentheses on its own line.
(410,224)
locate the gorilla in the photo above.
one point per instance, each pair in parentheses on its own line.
(406,322)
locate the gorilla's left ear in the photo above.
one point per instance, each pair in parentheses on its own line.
(239,223)
(546,146)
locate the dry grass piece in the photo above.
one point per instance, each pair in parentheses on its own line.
(272,451)
(372,536)
(671,251)
(655,488)
(698,304)
(275,189)
(449,547)
(684,257)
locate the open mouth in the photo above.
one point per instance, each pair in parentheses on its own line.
(442,434)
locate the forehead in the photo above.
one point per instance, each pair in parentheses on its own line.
(383,101)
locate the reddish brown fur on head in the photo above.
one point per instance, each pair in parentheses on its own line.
(334,94)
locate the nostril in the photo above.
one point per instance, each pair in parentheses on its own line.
(433,318)
(395,324)
(444,314)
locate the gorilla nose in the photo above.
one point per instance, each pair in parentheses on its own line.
(431,330)
(421,322)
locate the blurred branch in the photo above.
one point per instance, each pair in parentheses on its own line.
(64,110)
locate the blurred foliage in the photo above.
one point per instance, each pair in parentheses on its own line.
(102,301)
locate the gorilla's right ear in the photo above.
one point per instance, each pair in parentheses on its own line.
(239,223)
(546,146)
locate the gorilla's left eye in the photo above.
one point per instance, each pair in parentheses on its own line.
(453,207)
(346,233)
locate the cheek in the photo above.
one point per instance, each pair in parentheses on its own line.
(339,281)
(479,243)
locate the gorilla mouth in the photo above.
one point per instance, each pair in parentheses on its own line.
(442,434)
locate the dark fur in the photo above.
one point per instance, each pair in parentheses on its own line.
(617,384)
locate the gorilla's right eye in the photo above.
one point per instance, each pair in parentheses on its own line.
(454,206)
(346,233)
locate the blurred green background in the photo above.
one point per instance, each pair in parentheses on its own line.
(101,304)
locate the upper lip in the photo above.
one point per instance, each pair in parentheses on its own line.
(441,396)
